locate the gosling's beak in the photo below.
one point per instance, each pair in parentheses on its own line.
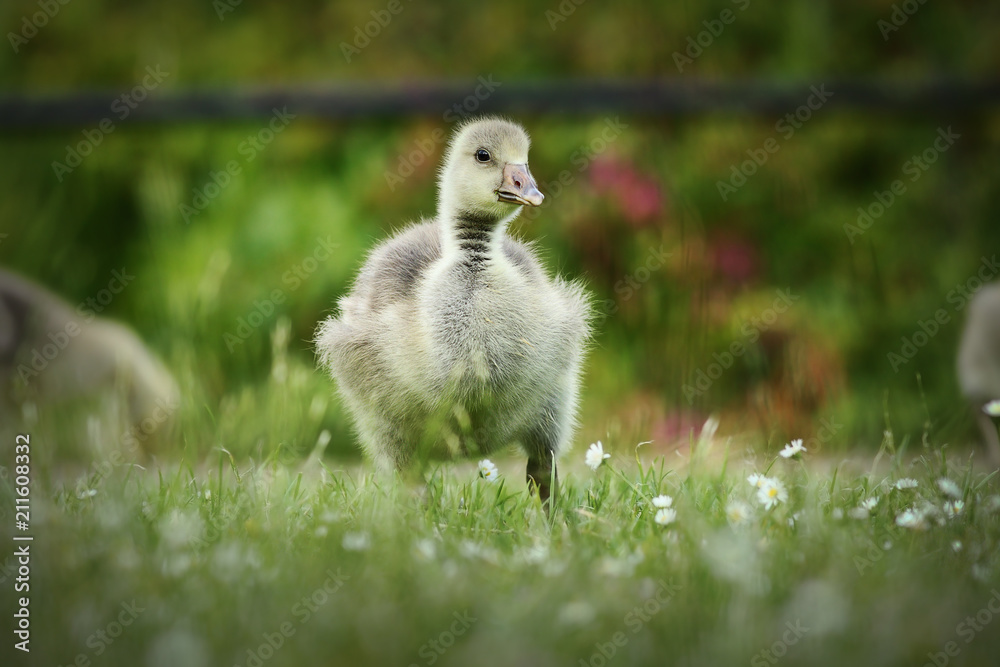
(519,187)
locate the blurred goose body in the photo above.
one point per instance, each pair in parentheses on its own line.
(453,332)
(979,361)
(51,354)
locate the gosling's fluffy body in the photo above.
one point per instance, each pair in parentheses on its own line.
(453,332)
(979,361)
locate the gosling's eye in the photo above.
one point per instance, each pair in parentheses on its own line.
(483,155)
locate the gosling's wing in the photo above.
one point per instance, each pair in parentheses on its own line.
(392,270)
(576,304)
(522,255)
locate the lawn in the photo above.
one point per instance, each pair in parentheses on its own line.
(210,560)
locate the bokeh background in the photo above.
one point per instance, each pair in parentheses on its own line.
(650,190)
(227,521)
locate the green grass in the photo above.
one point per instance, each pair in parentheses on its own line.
(337,566)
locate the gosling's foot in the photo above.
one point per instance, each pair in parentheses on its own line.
(540,477)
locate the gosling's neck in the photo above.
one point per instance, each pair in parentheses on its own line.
(473,238)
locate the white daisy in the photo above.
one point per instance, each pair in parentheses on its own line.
(949,488)
(771,493)
(992,408)
(837,513)
(906,483)
(488,471)
(911,518)
(757,480)
(737,512)
(577,613)
(665,516)
(356,542)
(425,549)
(595,455)
(662,501)
(869,503)
(473,550)
(953,508)
(621,565)
(956,545)
(182,529)
(793,448)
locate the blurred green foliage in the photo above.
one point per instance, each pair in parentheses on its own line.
(652,189)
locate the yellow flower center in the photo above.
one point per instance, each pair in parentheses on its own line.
(772,492)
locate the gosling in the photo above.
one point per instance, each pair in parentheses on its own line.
(52,354)
(454,338)
(979,362)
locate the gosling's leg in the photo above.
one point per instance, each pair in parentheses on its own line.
(548,435)
(990,437)
(545,438)
(541,475)
(384,444)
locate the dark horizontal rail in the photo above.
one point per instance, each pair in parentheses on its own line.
(664,97)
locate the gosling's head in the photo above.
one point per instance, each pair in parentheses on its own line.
(486,173)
